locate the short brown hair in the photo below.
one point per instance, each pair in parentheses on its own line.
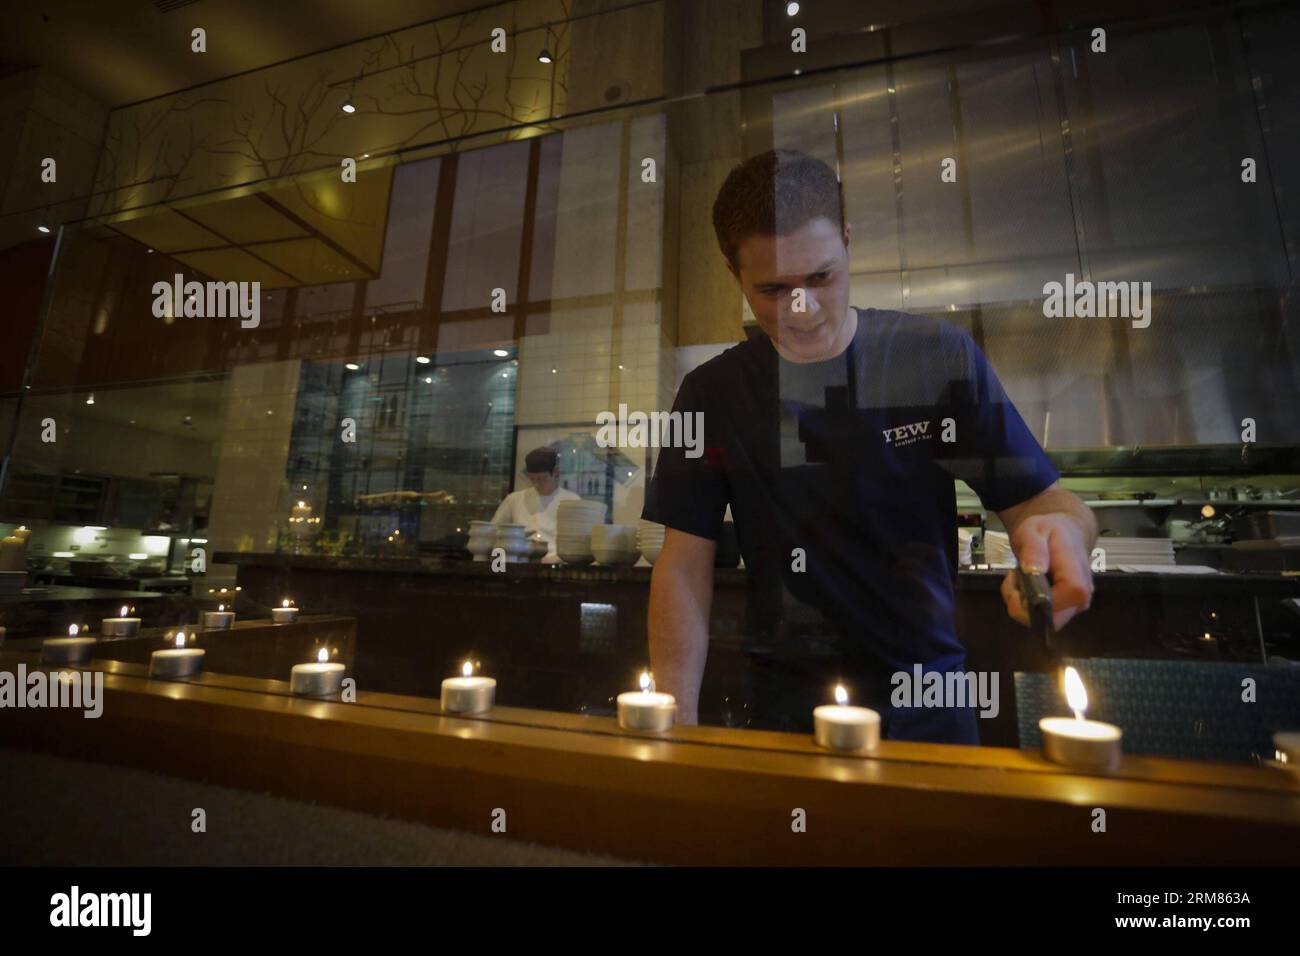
(774,193)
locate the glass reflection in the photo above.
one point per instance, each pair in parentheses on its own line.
(409,441)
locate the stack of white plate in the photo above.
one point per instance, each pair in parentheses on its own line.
(573,523)
(997,549)
(1141,551)
(614,544)
(649,539)
(964,538)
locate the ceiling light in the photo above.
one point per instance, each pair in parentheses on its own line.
(423,359)
(352,366)
(43,228)
(500,353)
(791,9)
(348,107)
(544,56)
(91,399)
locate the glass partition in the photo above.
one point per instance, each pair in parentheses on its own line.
(370,392)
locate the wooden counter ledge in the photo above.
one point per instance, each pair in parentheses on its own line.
(698,795)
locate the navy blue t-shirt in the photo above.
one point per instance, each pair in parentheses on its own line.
(853,461)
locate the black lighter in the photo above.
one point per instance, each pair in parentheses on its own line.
(1037,594)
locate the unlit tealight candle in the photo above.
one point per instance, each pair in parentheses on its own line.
(178,661)
(645,709)
(286,613)
(838,726)
(218,620)
(67,650)
(468,694)
(121,626)
(321,679)
(1076,742)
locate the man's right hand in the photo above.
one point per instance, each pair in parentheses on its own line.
(681,596)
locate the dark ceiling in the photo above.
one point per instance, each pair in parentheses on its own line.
(121,51)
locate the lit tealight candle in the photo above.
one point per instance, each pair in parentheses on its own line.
(178,661)
(322,679)
(645,709)
(838,726)
(121,626)
(1076,742)
(468,694)
(67,650)
(220,619)
(286,613)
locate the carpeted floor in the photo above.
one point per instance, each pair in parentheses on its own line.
(59,812)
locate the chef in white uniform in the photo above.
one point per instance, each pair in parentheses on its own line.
(536,506)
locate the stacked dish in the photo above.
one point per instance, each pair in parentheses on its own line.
(649,539)
(964,538)
(997,550)
(573,523)
(614,544)
(1143,552)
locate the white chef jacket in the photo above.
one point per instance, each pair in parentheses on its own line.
(534,512)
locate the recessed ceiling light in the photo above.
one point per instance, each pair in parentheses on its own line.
(352,366)
(500,353)
(43,228)
(423,359)
(791,9)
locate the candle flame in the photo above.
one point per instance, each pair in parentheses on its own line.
(286,603)
(1075,693)
(123,614)
(221,607)
(841,695)
(72,630)
(180,638)
(647,682)
(467,669)
(323,656)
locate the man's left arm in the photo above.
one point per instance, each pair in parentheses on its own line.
(1054,530)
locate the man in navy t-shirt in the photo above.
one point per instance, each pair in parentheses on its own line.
(835,436)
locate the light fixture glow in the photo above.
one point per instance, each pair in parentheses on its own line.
(423,359)
(544,56)
(352,366)
(791,9)
(43,229)
(500,353)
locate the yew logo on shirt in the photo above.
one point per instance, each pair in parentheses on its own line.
(907,434)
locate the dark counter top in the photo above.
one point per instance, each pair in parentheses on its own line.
(62,594)
(1111,581)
